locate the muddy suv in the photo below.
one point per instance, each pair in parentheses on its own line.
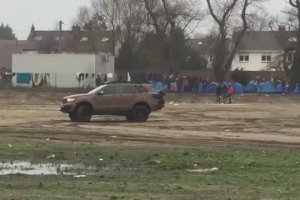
(135,101)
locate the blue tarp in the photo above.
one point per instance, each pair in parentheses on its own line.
(296,90)
(279,88)
(200,87)
(238,88)
(266,87)
(211,88)
(23,78)
(250,88)
(226,84)
(158,86)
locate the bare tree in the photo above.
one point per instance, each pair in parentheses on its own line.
(295,70)
(224,14)
(169,19)
(259,21)
(165,15)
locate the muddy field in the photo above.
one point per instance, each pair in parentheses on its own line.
(187,120)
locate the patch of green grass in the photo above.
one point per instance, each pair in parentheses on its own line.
(155,172)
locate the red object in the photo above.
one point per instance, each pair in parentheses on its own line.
(230,90)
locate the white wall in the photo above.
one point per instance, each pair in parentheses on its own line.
(255,63)
(105,67)
(60,70)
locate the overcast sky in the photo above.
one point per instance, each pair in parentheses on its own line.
(44,14)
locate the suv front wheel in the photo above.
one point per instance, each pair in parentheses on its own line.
(84,113)
(140,113)
(73,117)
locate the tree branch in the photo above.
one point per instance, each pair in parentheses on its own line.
(212,12)
(153,17)
(294,4)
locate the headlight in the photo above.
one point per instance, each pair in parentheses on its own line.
(70,100)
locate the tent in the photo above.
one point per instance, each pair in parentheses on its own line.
(296,90)
(158,86)
(266,87)
(238,88)
(200,87)
(226,83)
(279,89)
(211,88)
(250,88)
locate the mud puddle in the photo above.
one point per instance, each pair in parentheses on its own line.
(27,168)
(77,170)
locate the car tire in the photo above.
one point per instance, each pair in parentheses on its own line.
(84,113)
(129,117)
(73,117)
(140,113)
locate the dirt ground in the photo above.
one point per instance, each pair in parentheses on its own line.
(188,120)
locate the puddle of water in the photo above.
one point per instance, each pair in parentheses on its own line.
(27,168)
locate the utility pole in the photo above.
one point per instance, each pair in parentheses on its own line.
(60,36)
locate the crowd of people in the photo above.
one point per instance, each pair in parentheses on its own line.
(186,84)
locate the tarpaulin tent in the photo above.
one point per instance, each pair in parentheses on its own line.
(158,86)
(211,88)
(296,90)
(266,87)
(238,88)
(201,87)
(250,88)
(279,89)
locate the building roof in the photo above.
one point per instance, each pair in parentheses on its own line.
(266,40)
(74,40)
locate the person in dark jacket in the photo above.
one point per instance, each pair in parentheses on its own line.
(219,93)
(224,93)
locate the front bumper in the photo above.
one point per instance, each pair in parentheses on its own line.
(66,108)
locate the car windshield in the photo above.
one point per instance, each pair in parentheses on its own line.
(97,89)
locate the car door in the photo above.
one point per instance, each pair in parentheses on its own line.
(105,101)
(126,97)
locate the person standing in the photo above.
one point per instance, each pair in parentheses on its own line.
(230,93)
(224,93)
(219,93)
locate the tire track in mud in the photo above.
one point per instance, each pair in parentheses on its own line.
(112,131)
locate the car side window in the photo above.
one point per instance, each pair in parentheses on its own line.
(127,89)
(108,90)
(142,89)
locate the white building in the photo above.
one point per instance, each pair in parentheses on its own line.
(259,50)
(60,70)
(66,59)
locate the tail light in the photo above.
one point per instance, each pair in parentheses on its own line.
(158,95)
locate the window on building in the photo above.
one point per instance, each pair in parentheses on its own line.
(266,58)
(244,58)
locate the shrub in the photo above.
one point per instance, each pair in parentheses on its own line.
(240,76)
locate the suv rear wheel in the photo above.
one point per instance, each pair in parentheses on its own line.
(129,117)
(84,113)
(140,113)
